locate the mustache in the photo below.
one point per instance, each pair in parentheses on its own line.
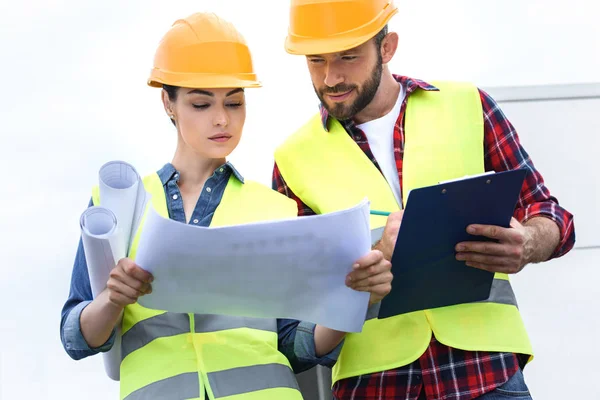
(339,88)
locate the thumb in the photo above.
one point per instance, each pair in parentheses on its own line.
(514,223)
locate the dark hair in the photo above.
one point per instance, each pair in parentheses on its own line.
(379,37)
(172,93)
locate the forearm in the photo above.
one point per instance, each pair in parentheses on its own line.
(326,340)
(545,237)
(99,319)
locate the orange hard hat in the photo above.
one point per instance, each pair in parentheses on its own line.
(330,26)
(203,51)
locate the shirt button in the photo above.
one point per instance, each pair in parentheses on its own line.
(208,189)
(195,221)
(175,197)
(176,176)
(357,137)
(220,169)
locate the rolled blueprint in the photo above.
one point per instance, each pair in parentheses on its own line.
(122,192)
(107,231)
(98,227)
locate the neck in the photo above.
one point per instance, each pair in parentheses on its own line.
(194,170)
(384,100)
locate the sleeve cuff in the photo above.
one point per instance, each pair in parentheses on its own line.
(564,221)
(74,340)
(304,346)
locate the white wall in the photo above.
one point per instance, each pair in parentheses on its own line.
(559,299)
(74,96)
(561,135)
(559,303)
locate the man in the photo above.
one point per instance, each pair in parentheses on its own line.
(380,135)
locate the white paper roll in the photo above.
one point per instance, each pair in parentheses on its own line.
(98,227)
(107,232)
(122,192)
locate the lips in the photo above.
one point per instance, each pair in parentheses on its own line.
(220,137)
(340,96)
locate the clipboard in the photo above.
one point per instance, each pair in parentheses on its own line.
(426,272)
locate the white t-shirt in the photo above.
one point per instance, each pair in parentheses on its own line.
(380,134)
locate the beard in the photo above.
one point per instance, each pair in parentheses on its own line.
(365,94)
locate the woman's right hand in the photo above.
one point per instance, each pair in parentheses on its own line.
(127,282)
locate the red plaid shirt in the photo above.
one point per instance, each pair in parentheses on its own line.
(443,372)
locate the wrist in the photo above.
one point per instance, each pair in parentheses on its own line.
(529,244)
(107,304)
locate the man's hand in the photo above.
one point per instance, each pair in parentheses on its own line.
(390,234)
(127,282)
(371,273)
(514,250)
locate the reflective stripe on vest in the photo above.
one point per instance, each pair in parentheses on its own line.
(170,324)
(182,386)
(443,140)
(501,293)
(176,356)
(249,379)
(231,382)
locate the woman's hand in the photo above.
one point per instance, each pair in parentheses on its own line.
(127,282)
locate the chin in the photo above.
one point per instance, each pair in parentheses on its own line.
(217,153)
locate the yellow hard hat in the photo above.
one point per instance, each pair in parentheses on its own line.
(203,51)
(330,26)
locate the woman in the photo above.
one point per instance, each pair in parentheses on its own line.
(203,65)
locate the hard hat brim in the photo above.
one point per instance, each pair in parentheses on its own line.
(199,81)
(306,47)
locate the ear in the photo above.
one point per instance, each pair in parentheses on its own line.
(389,47)
(167,104)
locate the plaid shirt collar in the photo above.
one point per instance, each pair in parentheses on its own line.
(409,83)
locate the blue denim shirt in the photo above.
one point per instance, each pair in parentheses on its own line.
(296,339)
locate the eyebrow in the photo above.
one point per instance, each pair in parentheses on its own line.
(341,54)
(211,94)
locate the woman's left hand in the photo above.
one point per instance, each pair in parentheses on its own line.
(371,273)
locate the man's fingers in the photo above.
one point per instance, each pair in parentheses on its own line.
(372,257)
(380,291)
(372,270)
(395,217)
(489,248)
(503,269)
(496,232)
(483,259)
(368,284)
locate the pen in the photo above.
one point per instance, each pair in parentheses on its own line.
(383,213)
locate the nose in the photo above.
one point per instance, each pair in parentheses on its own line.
(220,117)
(333,75)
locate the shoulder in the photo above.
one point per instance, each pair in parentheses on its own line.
(301,134)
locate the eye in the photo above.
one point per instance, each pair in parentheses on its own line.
(315,60)
(200,106)
(235,105)
(349,58)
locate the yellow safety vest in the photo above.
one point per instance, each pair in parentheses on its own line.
(444,140)
(173,355)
